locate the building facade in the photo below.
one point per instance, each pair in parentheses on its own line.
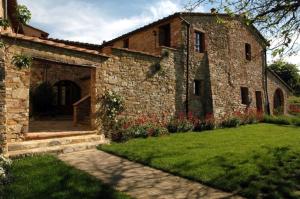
(188,62)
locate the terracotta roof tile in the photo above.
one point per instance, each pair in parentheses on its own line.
(51,43)
(178,14)
(137,51)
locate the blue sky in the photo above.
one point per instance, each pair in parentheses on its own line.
(94,21)
(97,20)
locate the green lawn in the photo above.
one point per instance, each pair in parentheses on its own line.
(45,177)
(260,160)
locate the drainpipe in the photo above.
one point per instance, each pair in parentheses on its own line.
(266,82)
(5,9)
(188,25)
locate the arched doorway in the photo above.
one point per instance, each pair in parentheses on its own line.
(278,106)
(66,94)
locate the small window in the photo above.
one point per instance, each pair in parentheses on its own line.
(198,87)
(165,35)
(245,95)
(126,43)
(199,42)
(248,51)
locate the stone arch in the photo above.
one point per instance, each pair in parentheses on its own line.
(67,92)
(278,102)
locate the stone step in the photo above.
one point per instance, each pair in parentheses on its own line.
(48,135)
(33,144)
(56,149)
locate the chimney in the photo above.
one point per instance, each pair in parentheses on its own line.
(213,11)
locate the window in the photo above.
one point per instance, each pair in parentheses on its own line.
(126,43)
(199,42)
(245,95)
(248,51)
(198,87)
(165,35)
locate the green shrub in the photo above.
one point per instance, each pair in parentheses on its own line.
(231,122)
(180,125)
(277,120)
(294,100)
(185,126)
(296,121)
(172,126)
(138,131)
(5,165)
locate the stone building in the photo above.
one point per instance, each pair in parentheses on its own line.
(188,62)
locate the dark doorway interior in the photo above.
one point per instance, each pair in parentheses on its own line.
(66,94)
(259,103)
(278,102)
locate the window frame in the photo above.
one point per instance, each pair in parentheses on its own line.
(248,53)
(164,35)
(245,95)
(199,39)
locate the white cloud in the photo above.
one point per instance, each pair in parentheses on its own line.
(81,22)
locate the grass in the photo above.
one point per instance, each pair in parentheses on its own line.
(46,177)
(256,161)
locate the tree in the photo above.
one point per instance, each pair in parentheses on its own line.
(287,72)
(278,20)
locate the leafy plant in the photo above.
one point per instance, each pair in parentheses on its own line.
(296,121)
(181,123)
(113,103)
(231,122)
(5,165)
(23,14)
(277,119)
(278,110)
(165,54)
(22,61)
(4,23)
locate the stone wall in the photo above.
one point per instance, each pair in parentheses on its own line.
(2,106)
(17,84)
(147,41)
(130,74)
(228,68)
(198,70)
(273,84)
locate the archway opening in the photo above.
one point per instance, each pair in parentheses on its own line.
(278,104)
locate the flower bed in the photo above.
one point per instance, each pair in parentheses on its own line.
(153,126)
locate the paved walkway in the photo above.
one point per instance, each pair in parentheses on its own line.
(137,180)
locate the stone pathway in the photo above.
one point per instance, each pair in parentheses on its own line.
(137,180)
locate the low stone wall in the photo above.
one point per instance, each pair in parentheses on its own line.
(132,75)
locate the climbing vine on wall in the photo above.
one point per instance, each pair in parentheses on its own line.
(113,104)
(22,61)
(23,16)
(158,68)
